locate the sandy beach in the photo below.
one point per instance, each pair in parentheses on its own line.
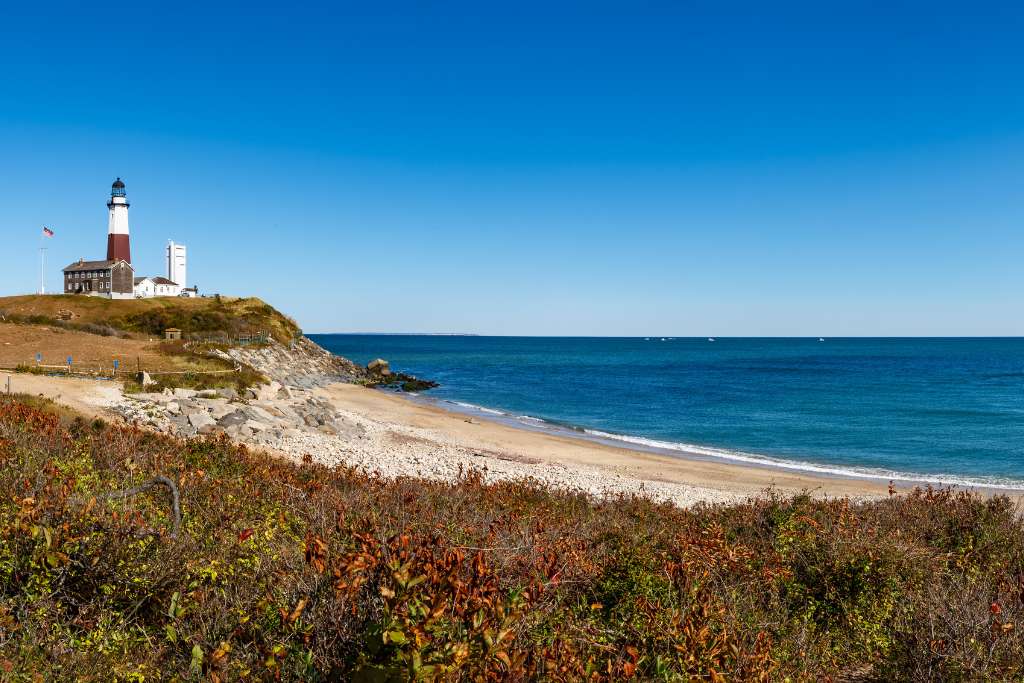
(682,480)
(396,436)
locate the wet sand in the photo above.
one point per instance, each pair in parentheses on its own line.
(523,444)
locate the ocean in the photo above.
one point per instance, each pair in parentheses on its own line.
(945,410)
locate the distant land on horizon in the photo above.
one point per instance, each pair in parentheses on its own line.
(654,337)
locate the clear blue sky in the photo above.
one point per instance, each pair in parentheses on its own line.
(638,168)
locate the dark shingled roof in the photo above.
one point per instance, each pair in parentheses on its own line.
(157,280)
(117,184)
(89,265)
(94,265)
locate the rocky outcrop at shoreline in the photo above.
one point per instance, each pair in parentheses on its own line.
(261,414)
(302,364)
(266,414)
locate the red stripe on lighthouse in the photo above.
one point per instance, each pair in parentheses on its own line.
(118,248)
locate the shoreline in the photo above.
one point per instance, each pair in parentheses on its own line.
(401,435)
(730,480)
(679,450)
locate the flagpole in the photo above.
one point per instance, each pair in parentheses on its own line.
(42,258)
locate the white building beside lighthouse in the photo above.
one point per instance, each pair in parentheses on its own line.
(175,282)
(176,263)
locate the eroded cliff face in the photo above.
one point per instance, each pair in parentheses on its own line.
(302,364)
(287,405)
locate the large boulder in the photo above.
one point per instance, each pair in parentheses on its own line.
(266,392)
(200,420)
(259,414)
(378,367)
(255,426)
(235,419)
(220,408)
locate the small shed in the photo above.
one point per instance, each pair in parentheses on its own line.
(172,333)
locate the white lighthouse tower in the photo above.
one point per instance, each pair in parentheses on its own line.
(118,246)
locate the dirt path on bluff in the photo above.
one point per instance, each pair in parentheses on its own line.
(88,396)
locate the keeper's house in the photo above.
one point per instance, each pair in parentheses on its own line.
(114,279)
(146,287)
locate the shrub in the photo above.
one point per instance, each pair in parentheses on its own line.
(300,572)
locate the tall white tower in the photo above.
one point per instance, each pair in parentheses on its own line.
(176,263)
(118,246)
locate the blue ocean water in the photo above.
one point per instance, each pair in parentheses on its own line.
(946,410)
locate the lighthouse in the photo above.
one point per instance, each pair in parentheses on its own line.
(118,248)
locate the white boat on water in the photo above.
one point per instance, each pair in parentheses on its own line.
(711,339)
(821,339)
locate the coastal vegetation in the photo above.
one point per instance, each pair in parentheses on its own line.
(294,571)
(65,326)
(216,316)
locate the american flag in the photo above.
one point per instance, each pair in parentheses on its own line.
(47,232)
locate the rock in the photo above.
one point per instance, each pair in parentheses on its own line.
(227,392)
(327,429)
(144,379)
(255,426)
(284,393)
(234,419)
(172,407)
(257,413)
(167,392)
(219,410)
(415,384)
(378,367)
(206,393)
(267,392)
(184,393)
(208,429)
(272,409)
(200,419)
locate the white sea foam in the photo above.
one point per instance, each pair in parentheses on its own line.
(684,449)
(817,468)
(481,409)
